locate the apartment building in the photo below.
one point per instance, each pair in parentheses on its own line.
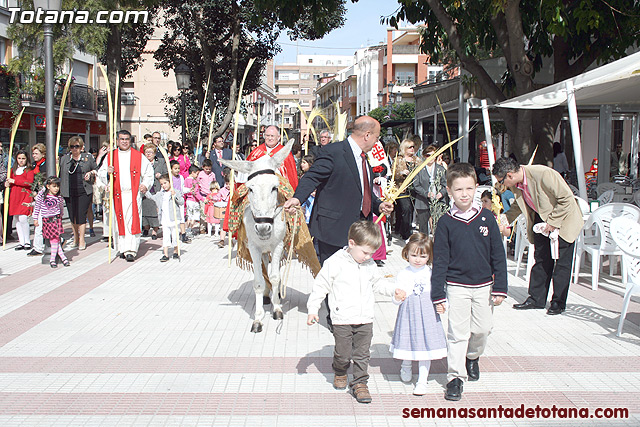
(85,108)
(296,83)
(404,65)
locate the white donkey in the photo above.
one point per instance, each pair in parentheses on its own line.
(265,227)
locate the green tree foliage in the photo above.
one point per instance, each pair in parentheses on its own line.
(402,111)
(214,38)
(569,34)
(306,19)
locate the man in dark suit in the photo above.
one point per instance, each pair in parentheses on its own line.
(218,151)
(344,189)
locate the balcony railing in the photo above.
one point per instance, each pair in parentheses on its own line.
(406,81)
(405,49)
(7,82)
(81,97)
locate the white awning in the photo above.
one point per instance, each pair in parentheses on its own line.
(615,83)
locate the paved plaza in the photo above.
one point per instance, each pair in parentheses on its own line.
(156,344)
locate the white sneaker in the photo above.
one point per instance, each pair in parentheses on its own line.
(406,374)
(420,389)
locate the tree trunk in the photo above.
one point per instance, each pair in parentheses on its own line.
(233,87)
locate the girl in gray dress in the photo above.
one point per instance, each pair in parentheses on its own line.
(418,334)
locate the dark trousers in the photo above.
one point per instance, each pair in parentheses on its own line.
(353,342)
(546,268)
(404,217)
(325,250)
(422,220)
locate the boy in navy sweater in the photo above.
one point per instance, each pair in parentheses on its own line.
(468,259)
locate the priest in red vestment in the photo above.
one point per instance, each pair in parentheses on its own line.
(133,176)
(271,146)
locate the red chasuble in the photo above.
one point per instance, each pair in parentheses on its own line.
(288,168)
(136,158)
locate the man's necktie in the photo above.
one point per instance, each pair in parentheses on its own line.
(366,195)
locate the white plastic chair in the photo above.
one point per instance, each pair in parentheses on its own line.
(606,197)
(584,205)
(595,238)
(626,233)
(606,186)
(522,243)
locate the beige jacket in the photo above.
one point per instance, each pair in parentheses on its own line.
(554,200)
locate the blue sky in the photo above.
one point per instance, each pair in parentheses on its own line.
(362,28)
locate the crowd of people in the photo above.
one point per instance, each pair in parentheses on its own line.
(455,254)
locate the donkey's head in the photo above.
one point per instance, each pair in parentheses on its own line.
(262,184)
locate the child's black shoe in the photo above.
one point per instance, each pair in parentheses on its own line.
(164,258)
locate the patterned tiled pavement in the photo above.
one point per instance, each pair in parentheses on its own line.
(147,343)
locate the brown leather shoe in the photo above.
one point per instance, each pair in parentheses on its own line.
(361,393)
(340,382)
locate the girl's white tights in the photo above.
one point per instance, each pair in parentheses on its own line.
(423,369)
(22,227)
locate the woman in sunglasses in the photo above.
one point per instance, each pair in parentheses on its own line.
(179,154)
(78,172)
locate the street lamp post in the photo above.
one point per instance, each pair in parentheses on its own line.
(183,81)
(50,120)
(393,98)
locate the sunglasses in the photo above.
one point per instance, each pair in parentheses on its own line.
(74,146)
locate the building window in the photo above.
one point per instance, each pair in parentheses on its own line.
(304,76)
(405,78)
(304,91)
(310,60)
(316,76)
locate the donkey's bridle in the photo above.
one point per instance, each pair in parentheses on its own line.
(261,172)
(262,219)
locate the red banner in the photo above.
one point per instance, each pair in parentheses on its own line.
(6,121)
(98,128)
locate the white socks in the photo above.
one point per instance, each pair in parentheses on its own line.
(423,370)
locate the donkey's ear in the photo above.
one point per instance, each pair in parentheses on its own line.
(238,165)
(279,157)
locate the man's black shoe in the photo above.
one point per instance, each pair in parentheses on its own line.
(554,309)
(527,305)
(454,389)
(129,258)
(34,253)
(473,370)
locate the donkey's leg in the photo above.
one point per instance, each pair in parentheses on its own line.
(258,288)
(274,278)
(266,299)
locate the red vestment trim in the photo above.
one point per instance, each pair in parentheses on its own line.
(136,161)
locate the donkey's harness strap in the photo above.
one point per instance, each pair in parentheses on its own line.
(261,172)
(262,220)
